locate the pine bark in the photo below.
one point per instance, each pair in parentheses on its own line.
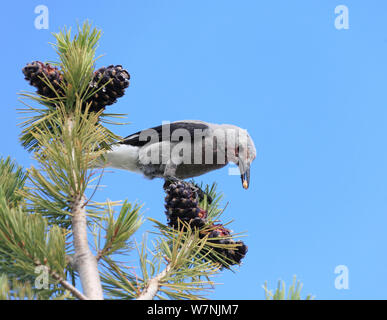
(85,261)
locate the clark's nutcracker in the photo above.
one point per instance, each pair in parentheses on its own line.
(184,149)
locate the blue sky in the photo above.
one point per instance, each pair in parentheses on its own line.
(312,97)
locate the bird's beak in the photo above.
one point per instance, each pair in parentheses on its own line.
(245,177)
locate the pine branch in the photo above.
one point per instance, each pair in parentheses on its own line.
(12,180)
(66,139)
(120,230)
(153,286)
(27,242)
(183,276)
(68,286)
(84,259)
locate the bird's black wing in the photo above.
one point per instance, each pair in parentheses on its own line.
(134,139)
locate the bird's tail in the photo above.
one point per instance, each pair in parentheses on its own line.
(120,157)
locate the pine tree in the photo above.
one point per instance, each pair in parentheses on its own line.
(294,291)
(48,218)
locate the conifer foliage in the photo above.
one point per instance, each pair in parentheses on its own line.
(48,213)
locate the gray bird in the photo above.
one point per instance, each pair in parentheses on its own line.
(184,149)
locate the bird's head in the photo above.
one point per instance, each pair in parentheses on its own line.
(246,154)
(243,155)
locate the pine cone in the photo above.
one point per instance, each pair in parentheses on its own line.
(109,91)
(182,203)
(239,253)
(221,235)
(38,73)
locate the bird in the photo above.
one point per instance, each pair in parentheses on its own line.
(183,149)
